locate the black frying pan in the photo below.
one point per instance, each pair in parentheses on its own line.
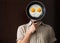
(40,4)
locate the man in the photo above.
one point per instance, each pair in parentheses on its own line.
(35,32)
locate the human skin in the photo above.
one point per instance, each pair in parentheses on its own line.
(28,34)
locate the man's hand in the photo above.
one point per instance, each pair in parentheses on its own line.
(32,28)
(27,36)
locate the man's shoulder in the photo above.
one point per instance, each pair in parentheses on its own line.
(48,27)
(22,27)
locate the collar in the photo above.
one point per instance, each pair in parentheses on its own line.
(31,23)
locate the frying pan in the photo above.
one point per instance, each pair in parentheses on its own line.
(38,3)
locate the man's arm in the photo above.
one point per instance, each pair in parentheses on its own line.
(26,39)
(52,35)
(27,36)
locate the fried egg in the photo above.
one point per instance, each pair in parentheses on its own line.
(35,10)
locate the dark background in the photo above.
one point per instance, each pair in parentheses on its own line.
(12,14)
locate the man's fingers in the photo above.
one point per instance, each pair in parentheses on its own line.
(33,23)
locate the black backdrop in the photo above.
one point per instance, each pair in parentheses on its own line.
(12,14)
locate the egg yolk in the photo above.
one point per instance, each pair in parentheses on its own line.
(39,9)
(32,10)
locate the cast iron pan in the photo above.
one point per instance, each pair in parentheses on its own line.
(40,4)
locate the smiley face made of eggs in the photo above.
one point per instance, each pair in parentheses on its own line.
(35,10)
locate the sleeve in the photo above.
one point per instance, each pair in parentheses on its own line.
(52,35)
(20,33)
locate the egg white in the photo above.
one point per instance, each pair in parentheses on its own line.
(35,14)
